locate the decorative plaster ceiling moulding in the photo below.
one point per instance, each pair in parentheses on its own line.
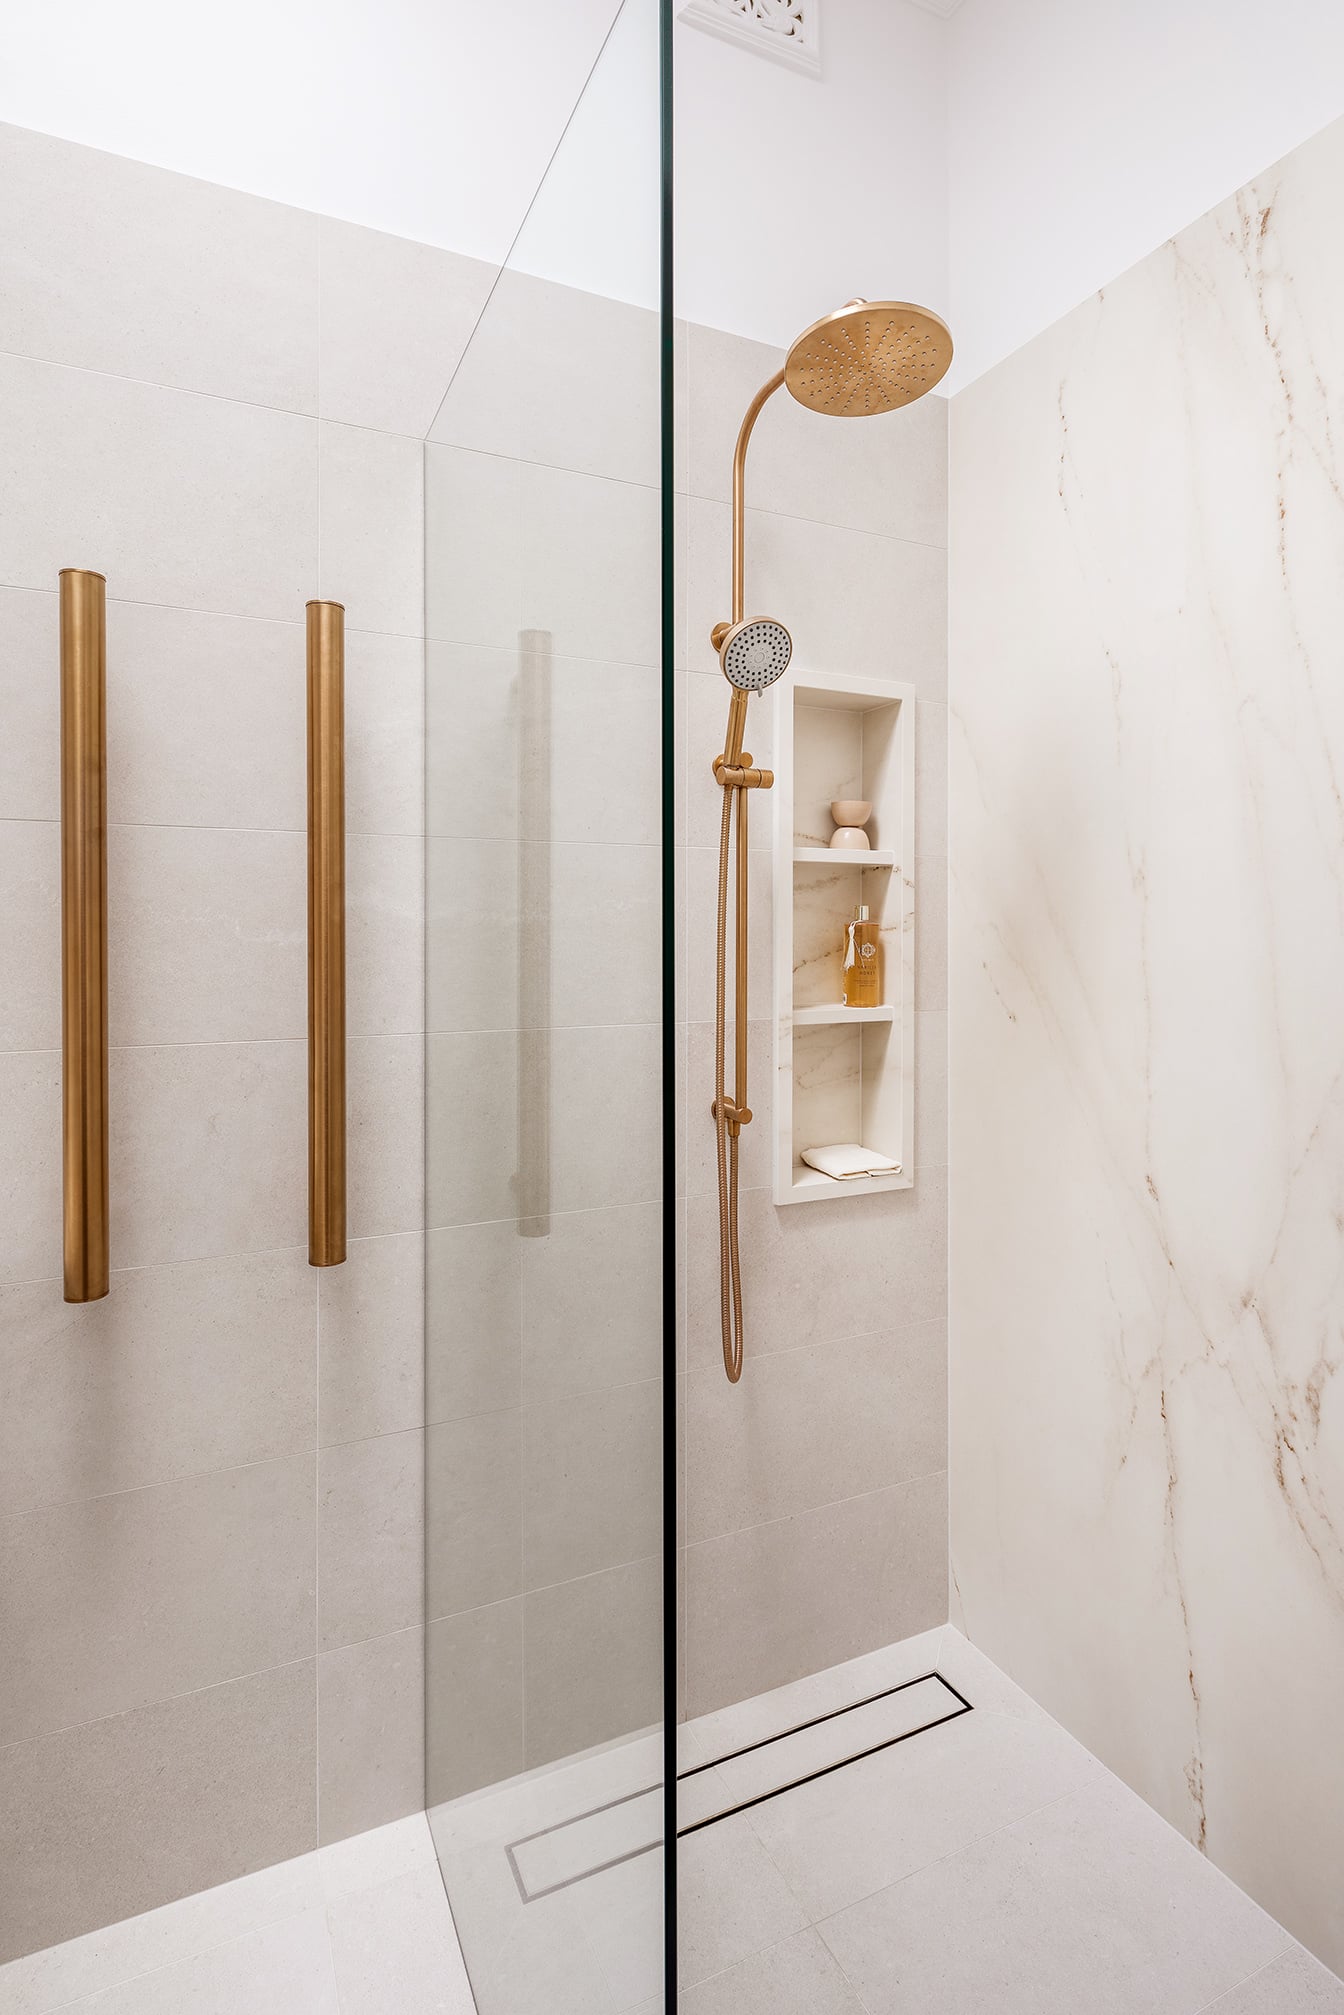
(787,31)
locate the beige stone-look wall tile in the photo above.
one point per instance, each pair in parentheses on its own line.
(571,1527)
(814,1425)
(594,1651)
(774,1602)
(472,1157)
(473,940)
(114,1602)
(370,1734)
(371,1339)
(606,747)
(30,704)
(592,390)
(590,560)
(597,1071)
(384,733)
(30,1164)
(385,934)
(473,1318)
(604,907)
(592,1302)
(807,1461)
(178,1371)
(473,548)
(473,1700)
(207,935)
(208,1150)
(176,498)
(159,1503)
(396,317)
(471,734)
(115,1817)
(809,1273)
(385,1121)
(371,528)
(205,719)
(142,273)
(853,601)
(561,377)
(473,1512)
(370,1538)
(30,903)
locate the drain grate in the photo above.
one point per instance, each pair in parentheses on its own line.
(733,1782)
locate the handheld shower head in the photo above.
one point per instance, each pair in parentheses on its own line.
(755,653)
(868,357)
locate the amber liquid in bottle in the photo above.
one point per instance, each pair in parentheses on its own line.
(863,962)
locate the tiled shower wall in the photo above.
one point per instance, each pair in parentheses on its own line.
(1148,964)
(815,1491)
(210,1482)
(544,884)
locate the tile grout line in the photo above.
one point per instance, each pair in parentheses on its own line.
(1211,2007)
(937,1860)
(160,1700)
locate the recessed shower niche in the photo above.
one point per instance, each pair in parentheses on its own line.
(842,1074)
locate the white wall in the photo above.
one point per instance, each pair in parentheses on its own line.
(433,119)
(795,194)
(1082,136)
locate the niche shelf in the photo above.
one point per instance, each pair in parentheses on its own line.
(842,1073)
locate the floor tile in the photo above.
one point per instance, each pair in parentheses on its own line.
(862,1828)
(1094,1903)
(396,1952)
(1297,1984)
(796,1977)
(284,1969)
(53,1978)
(523,1958)
(731,1900)
(367,1860)
(622,1911)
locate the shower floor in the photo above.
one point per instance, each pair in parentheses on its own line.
(975,1858)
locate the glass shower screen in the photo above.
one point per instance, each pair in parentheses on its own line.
(544,1651)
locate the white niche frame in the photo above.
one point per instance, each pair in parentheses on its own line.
(842,1073)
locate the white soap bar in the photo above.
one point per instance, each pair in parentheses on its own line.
(849,1160)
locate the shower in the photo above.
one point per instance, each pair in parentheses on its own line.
(866,358)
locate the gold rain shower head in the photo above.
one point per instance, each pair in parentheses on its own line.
(868,357)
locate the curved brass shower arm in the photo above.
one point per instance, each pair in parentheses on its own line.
(737,713)
(749,420)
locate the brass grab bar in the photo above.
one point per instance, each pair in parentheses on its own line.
(83,600)
(326,933)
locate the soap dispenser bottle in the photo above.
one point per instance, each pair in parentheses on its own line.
(863,962)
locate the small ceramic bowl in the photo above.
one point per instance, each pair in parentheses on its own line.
(849,839)
(851,811)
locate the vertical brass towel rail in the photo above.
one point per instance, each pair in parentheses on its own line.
(326,933)
(84,932)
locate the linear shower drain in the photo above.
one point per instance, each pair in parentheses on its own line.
(732,1782)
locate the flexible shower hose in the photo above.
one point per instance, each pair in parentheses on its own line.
(730,1266)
